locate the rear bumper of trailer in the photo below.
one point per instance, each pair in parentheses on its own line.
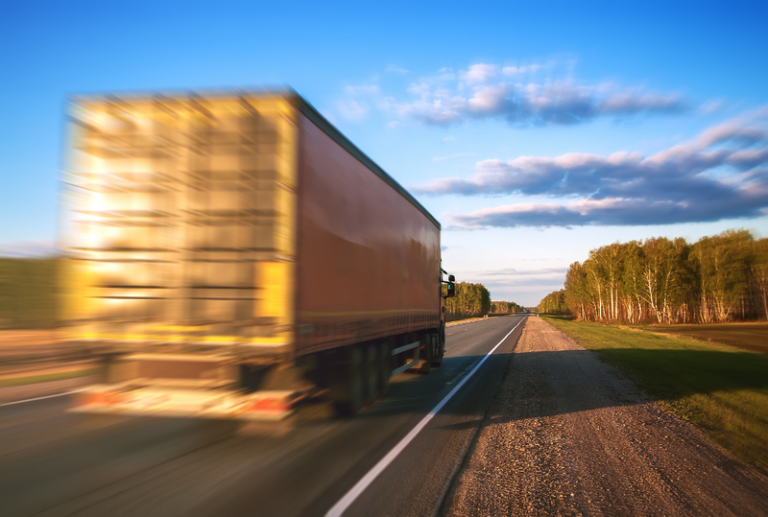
(266,405)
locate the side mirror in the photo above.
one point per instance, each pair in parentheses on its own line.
(451,278)
(451,288)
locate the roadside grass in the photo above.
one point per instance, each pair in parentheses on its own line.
(722,390)
(747,336)
(57,376)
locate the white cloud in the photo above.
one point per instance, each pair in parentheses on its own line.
(488,100)
(514,94)
(480,73)
(721,174)
(357,101)
(525,69)
(352,109)
(486,90)
(512,274)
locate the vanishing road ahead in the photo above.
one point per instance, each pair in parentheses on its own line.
(53,464)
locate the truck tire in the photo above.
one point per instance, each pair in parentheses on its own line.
(385,369)
(437,358)
(347,390)
(372,372)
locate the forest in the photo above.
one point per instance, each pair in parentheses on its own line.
(660,280)
(28,292)
(473,300)
(554,303)
(505,308)
(470,300)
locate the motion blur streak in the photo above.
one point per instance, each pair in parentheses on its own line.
(224,252)
(40,398)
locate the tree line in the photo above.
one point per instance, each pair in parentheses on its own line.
(470,300)
(505,308)
(554,303)
(473,300)
(716,279)
(29,292)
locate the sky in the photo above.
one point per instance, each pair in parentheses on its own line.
(533,131)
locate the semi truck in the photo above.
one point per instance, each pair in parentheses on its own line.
(230,255)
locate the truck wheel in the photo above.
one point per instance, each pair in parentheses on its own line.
(437,358)
(371,373)
(347,385)
(385,369)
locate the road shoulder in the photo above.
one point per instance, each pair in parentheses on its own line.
(569,435)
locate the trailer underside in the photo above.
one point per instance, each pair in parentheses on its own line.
(222,386)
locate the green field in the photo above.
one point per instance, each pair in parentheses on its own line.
(721,389)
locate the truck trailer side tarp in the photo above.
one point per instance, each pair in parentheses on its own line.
(369,259)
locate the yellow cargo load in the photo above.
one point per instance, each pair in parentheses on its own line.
(179,220)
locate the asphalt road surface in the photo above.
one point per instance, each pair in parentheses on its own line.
(54,463)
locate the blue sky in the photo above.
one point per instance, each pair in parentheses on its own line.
(534,131)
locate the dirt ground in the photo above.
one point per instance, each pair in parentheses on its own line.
(569,435)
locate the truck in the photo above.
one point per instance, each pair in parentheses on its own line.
(231,255)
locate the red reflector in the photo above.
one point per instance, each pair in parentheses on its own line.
(100,399)
(270,404)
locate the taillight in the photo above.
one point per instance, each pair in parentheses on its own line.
(102,398)
(270,404)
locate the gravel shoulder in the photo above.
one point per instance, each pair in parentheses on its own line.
(569,435)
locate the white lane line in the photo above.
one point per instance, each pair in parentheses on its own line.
(345,502)
(40,398)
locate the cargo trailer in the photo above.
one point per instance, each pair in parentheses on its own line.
(232,254)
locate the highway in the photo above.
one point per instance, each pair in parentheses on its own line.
(392,459)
